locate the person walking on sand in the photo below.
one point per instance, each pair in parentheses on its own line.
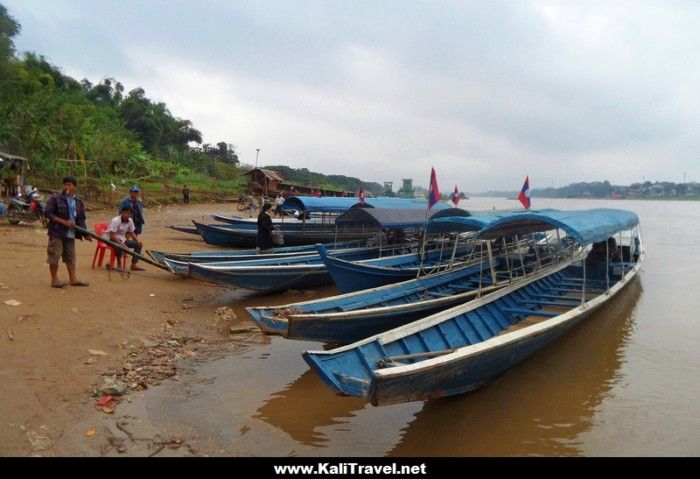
(134,203)
(186,195)
(122,230)
(264,239)
(64,211)
(279,201)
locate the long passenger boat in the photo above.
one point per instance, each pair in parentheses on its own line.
(350,275)
(353,316)
(467,346)
(246,254)
(279,274)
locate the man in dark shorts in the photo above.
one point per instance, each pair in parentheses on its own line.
(64,211)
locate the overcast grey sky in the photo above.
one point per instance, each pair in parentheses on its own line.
(484,91)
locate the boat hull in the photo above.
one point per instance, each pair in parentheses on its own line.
(232,235)
(268,279)
(351,317)
(465,347)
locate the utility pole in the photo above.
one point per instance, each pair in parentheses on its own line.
(257,152)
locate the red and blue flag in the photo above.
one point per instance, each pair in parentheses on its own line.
(524,195)
(361,194)
(433,192)
(455,196)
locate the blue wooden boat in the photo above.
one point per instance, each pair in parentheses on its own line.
(351,276)
(246,254)
(353,316)
(336,204)
(225,235)
(467,346)
(179,264)
(289,223)
(269,275)
(355,275)
(245,237)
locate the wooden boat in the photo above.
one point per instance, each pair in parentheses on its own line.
(465,347)
(353,316)
(351,276)
(269,275)
(335,204)
(245,237)
(246,254)
(288,222)
(300,233)
(225,235)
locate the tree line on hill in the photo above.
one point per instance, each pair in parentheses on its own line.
(50,117)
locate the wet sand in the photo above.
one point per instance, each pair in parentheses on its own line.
(48,374)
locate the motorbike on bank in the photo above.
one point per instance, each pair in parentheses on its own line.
(27,207)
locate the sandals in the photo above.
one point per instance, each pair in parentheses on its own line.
(60,285)
(80,283)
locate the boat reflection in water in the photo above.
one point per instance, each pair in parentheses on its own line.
(543,408)
(305,406)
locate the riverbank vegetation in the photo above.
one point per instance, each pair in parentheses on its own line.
(106,135)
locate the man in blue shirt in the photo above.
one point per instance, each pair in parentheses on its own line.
(133,202)
(64,211)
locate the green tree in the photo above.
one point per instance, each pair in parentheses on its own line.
(8,29)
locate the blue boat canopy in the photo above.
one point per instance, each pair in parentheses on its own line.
(340,204)
(382,218)
(585,226)
(450,212)
(324,204)
(456,224)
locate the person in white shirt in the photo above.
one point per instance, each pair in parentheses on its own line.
(122,230)
(279,201)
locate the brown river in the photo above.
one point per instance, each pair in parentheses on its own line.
(623,383)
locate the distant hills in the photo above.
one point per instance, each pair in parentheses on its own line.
(603,189)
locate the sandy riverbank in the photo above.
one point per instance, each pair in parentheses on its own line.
(58,345)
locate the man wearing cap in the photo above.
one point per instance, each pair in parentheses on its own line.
(134,203)
(64,211)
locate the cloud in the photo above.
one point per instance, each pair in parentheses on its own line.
(485,92)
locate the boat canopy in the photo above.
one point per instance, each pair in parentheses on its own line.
(403,203)
(585,226)
(324,204)
(451,212)
(382,218)
(457,224)
(340,204)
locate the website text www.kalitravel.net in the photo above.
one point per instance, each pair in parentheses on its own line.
(350,468)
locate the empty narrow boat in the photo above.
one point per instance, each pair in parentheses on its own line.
(465,347)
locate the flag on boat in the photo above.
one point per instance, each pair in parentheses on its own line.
(361,194)
(524,195)
(433,192)
(455,196)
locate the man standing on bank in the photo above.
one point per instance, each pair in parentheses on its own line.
(134,203)
(264,239)
(64,211)
(186,195)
